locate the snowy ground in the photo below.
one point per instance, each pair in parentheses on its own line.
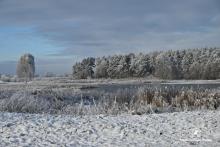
(198,128)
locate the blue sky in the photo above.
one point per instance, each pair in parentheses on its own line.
(59,33)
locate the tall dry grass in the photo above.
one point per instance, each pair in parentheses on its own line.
(140,101)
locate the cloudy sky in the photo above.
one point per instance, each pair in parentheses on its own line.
(61,32)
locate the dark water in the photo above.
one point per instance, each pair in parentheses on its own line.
(130,90)
(116,87)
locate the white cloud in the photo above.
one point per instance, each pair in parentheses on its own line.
(103,27)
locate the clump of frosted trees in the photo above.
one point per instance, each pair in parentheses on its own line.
(180,64)
(26,67)
(84,69)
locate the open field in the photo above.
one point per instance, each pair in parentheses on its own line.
(124,112)
(198,128)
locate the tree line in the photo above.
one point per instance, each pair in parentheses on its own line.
(179,64)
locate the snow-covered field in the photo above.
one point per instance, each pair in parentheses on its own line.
(200,128)
(97,126)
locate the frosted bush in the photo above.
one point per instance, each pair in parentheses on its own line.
(5,78)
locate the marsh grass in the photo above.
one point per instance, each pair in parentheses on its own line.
(140,101)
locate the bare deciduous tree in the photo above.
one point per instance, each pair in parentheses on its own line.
(26,67)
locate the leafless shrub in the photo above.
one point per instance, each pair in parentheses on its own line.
(30,102)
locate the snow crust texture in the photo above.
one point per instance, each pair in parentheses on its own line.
(198,128)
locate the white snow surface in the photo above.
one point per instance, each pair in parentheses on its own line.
(197,128)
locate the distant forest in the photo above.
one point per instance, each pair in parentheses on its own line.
(173,64)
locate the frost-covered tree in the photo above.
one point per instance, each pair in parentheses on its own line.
(26,67)
(210,64)
(84,69)
(124,66)
(114,66)
(101,67)
(166,67)
(141,66)
(179,64)
(186,62)
(163,67)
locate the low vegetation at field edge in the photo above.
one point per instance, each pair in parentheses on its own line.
(143,100)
